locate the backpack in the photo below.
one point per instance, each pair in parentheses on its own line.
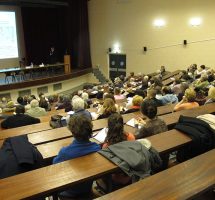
(56,121)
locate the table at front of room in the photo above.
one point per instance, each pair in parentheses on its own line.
(21,72)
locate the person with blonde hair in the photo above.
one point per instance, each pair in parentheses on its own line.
(211,95)
(136,103)
(108,108)
(188,100)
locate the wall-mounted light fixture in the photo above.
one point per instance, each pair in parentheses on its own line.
(116,48)
(195,21)
(159,23)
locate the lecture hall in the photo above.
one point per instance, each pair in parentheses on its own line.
(107,99)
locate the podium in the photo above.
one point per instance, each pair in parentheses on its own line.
(67,64)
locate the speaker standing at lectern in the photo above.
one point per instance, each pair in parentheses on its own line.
(52,56)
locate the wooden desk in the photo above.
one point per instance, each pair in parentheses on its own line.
(163,142)
(184,181)
(24,130)
(172,118)
(169,80)
(171,74)
(49,135)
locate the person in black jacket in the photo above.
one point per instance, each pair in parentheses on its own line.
(19,119)
(202,135)
(18,155)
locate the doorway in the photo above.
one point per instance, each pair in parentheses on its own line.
(117,65)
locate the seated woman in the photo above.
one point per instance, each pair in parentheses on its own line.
(211,95)
(188,100)
(81,129)
(107,109)
(66,104)
(35,110)
(152,125)
(117,94)
(136,103)
(115,131)
(115,135)
(43,103)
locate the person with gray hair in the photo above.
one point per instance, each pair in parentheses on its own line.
(35,110)
(78,105)
(85,97)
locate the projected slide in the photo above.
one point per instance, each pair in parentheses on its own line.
(8,36)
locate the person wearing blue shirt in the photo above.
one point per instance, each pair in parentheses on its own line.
(168,97)
(81,128)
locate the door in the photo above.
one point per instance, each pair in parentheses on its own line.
(117,65)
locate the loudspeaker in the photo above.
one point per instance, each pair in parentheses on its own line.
(144,48)
(185,42)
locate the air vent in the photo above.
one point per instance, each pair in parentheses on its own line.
(57,86)
(24,92)
(42,90)
(6,95)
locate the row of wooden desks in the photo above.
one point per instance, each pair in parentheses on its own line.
(45,125)
(163,142)
(56,177)
(170,80)
(44,130)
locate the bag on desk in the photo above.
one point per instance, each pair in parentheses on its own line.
(56,121)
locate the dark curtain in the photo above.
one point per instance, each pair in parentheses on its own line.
(80,43)
(43,28)
(66,28)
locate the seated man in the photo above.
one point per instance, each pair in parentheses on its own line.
(19,119)
(81,128)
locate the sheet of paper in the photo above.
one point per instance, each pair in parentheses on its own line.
(131,122)
(94,115)
(101,135)
(71,112)
(134,123)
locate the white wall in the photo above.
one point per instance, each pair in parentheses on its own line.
(66,85)
(130,23)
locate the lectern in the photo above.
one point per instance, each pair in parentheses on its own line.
(67,64)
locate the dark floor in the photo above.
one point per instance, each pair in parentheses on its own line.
(210,195)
